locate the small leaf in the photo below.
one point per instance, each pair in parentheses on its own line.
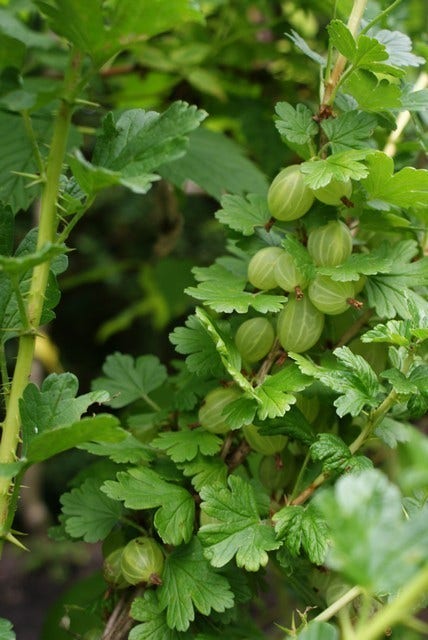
(331,451)
(185,445)
(350,130)
(243,214)
(205,471)
(371,93)
(152,615)
(295,124)
(195,342)
(239,531)
(89,514)
(302,528)
(276,393)
(304,47)
(319,631)
(339,166)
(189,584)
(6,630)
(342,39)
(399,48)
(143,488)
(128,380)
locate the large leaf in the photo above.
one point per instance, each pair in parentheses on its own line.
(217,165)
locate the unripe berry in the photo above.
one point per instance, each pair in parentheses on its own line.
(330,244)
(287,274)
(288,196)
(112,570)
(268,445)
(334,192)
(300,325)
(329,296)
(309,406)
(261,268)
(210,414)
(142,561)
(254,339)
(275,472)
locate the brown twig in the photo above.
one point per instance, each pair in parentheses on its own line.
(120,623)
(238,456)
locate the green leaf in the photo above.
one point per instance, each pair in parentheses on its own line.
(319,631)
(154,626)
(20,158)
(194,341)
(302,528)
(21,264)
(377,261)
(205,471)
(292,424)
(277,392)
(350,130)
(406,188)
(17,29)
(217,165)
(225,293)
(239,531)
(394,331)
(399,48)
(54,405)
(339,166)
(240,412)
(132,147)
(373,545)
(6,630)
(189,584)
(143,488)
(342,39)
(331,451)
(300,254)
(100,428)
(102,32)
(10,469)
(243,214)
(415,100)
(371,93)
(392,432)
(130,449)
(185,445)
(304,47)
(295,124)
(401,383)
(127,380)
(88,513)
(6,231)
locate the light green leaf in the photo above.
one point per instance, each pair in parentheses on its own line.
(239,531)
(295,124)
(226,295)
(319,631)
(342,39)
(88,513)
(189,584)
(331,451)
(99,428)
(394,331)
(276,394)
(399,48)
(377,261)
(406,188)
(350,130)
(185,445)
(6,630)
(371,93)
(130,449)
(373,544)
(243,214)
(339,166)
(217,165)
(304,47)
(143,488)
(128,380)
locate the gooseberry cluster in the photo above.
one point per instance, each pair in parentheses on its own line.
(140,561)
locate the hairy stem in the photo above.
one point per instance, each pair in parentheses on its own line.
(46,233)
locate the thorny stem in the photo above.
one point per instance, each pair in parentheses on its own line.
(46,233)
(337,71)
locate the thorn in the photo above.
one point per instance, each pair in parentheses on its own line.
(11,538)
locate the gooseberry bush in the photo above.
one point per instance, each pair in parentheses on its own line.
(285,451)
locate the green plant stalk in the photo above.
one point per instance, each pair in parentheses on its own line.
(354,20)
(341,602)
(397,610)
(46,233)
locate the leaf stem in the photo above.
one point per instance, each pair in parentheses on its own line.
(396,610)
(381,15)
(354,20)
(341,602)
(34,144)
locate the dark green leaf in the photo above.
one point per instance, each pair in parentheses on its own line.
(205,471)
(239,530)
(6,630)
(130,449)
(189,583)
(153,617)
(350,130)
(295,124)
(331,451)
(194,341)
(302,528)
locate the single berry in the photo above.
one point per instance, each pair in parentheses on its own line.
(288,196)
(300,325)
(254,339)
(142,561)
(210,414)
(268,445)
(334,192)
(329,296)
(330,244)
(261,268)
(288,276)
